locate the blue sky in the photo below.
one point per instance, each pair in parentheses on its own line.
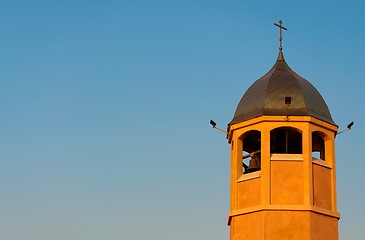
(105,109)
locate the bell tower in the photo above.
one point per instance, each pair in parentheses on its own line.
(283,168)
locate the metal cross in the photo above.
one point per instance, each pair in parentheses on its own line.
(281,34)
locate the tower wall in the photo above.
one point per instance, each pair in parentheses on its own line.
(287,182)
(292,196)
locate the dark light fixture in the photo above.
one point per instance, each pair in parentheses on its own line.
(287,100)
(348,128)
(212,123)
(214,126)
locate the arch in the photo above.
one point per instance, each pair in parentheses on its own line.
(318,145)
(287,140)
(251,141)
(251,149)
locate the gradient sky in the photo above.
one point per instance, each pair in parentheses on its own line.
(105,109)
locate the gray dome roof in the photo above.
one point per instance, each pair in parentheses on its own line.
(267,95)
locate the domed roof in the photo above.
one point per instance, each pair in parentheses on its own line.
(267,96)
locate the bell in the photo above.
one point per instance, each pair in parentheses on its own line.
(255,163)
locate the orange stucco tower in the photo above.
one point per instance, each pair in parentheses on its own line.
(283,168)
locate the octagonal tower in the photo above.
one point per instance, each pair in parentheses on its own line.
(283,169)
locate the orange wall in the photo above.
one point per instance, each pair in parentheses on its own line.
(248,226)
(322,187)
(248,193)
(287,184)
(323,227)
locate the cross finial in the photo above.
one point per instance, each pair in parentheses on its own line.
(280,25)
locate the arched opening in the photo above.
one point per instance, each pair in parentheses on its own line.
(285,140)
(251,146)
(318,147)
